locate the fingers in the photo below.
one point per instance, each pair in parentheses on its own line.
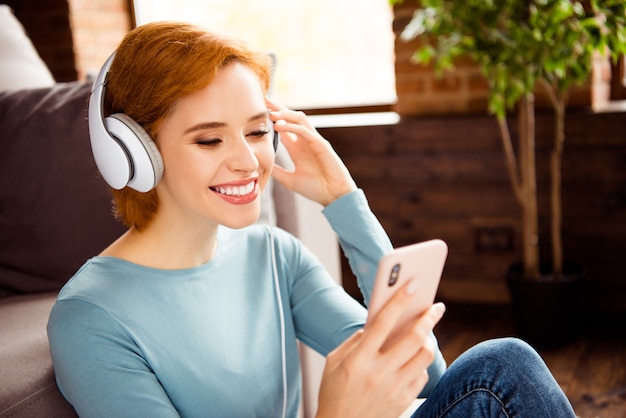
(285,177)
(272,105)
(387,318)
(415,349)
(412,354)
(294,126)
(416,366)
(318,174)
(295,129)
(282,176)
(417,385)
(419,335)
(361,378)
(413,376)
(287,118)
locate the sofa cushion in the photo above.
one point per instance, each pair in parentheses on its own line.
(55,209)
(21,66)
(28,387)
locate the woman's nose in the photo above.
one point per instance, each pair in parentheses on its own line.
(242,156)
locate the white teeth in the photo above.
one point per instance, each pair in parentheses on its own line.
(236,190)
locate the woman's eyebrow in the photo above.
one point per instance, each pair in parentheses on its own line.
(203,125)
(260,115)
(212,125)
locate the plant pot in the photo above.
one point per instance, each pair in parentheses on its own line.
(546,311)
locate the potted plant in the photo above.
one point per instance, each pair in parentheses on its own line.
(523,45)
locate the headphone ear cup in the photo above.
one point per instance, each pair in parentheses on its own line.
(275,137)
(144,157)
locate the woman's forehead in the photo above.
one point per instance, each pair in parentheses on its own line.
(235,91)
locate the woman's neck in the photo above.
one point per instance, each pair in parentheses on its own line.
(166,245)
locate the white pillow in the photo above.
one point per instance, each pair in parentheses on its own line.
(20,66)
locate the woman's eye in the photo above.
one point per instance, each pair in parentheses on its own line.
(208,142)
(260,133)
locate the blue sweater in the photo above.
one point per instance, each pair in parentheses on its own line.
(129,340)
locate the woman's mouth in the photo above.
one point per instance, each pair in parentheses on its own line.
(237,193)
(235,190)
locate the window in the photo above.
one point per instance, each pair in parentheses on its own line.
(330,53)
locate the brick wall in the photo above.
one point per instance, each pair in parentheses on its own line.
(98,26)
(420,91)
(464,89)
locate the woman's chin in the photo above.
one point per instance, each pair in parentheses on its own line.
(244,220)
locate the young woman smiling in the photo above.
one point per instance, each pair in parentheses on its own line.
(196,311)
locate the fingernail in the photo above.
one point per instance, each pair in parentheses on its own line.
(412,286)
(439,309)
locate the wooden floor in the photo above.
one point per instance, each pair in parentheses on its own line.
(591,370)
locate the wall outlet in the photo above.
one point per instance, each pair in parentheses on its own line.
(494,238)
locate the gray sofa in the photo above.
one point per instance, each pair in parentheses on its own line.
(54,214)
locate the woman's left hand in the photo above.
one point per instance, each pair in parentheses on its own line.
(319,173)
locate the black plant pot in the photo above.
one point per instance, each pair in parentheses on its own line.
(547,311)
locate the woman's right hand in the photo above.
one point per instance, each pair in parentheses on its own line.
(360,380)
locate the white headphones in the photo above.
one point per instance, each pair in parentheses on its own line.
(124,152)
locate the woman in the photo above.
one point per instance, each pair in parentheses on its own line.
(196,312)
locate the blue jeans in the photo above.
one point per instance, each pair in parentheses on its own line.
(497,378)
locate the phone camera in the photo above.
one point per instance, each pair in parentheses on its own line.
(393,276)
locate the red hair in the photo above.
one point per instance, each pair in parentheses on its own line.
(155,66)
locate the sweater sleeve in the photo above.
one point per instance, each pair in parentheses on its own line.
(364,242)
(324,314)
(362,238)
(98,368)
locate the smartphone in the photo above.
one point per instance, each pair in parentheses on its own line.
(423,261)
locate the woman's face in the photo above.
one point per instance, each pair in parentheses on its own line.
(217,152)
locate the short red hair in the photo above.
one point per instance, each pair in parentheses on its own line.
(156,65)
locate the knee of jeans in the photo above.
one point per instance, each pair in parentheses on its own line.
(510,346)
(510,353)
(506,348)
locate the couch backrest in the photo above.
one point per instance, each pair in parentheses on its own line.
(55,209)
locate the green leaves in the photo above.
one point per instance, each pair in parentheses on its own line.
(519,42)
(611,32)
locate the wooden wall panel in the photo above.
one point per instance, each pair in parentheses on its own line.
(444,177)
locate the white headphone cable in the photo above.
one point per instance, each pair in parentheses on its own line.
(283,356)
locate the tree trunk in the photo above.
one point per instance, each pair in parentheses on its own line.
(556,159)
(530,222)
